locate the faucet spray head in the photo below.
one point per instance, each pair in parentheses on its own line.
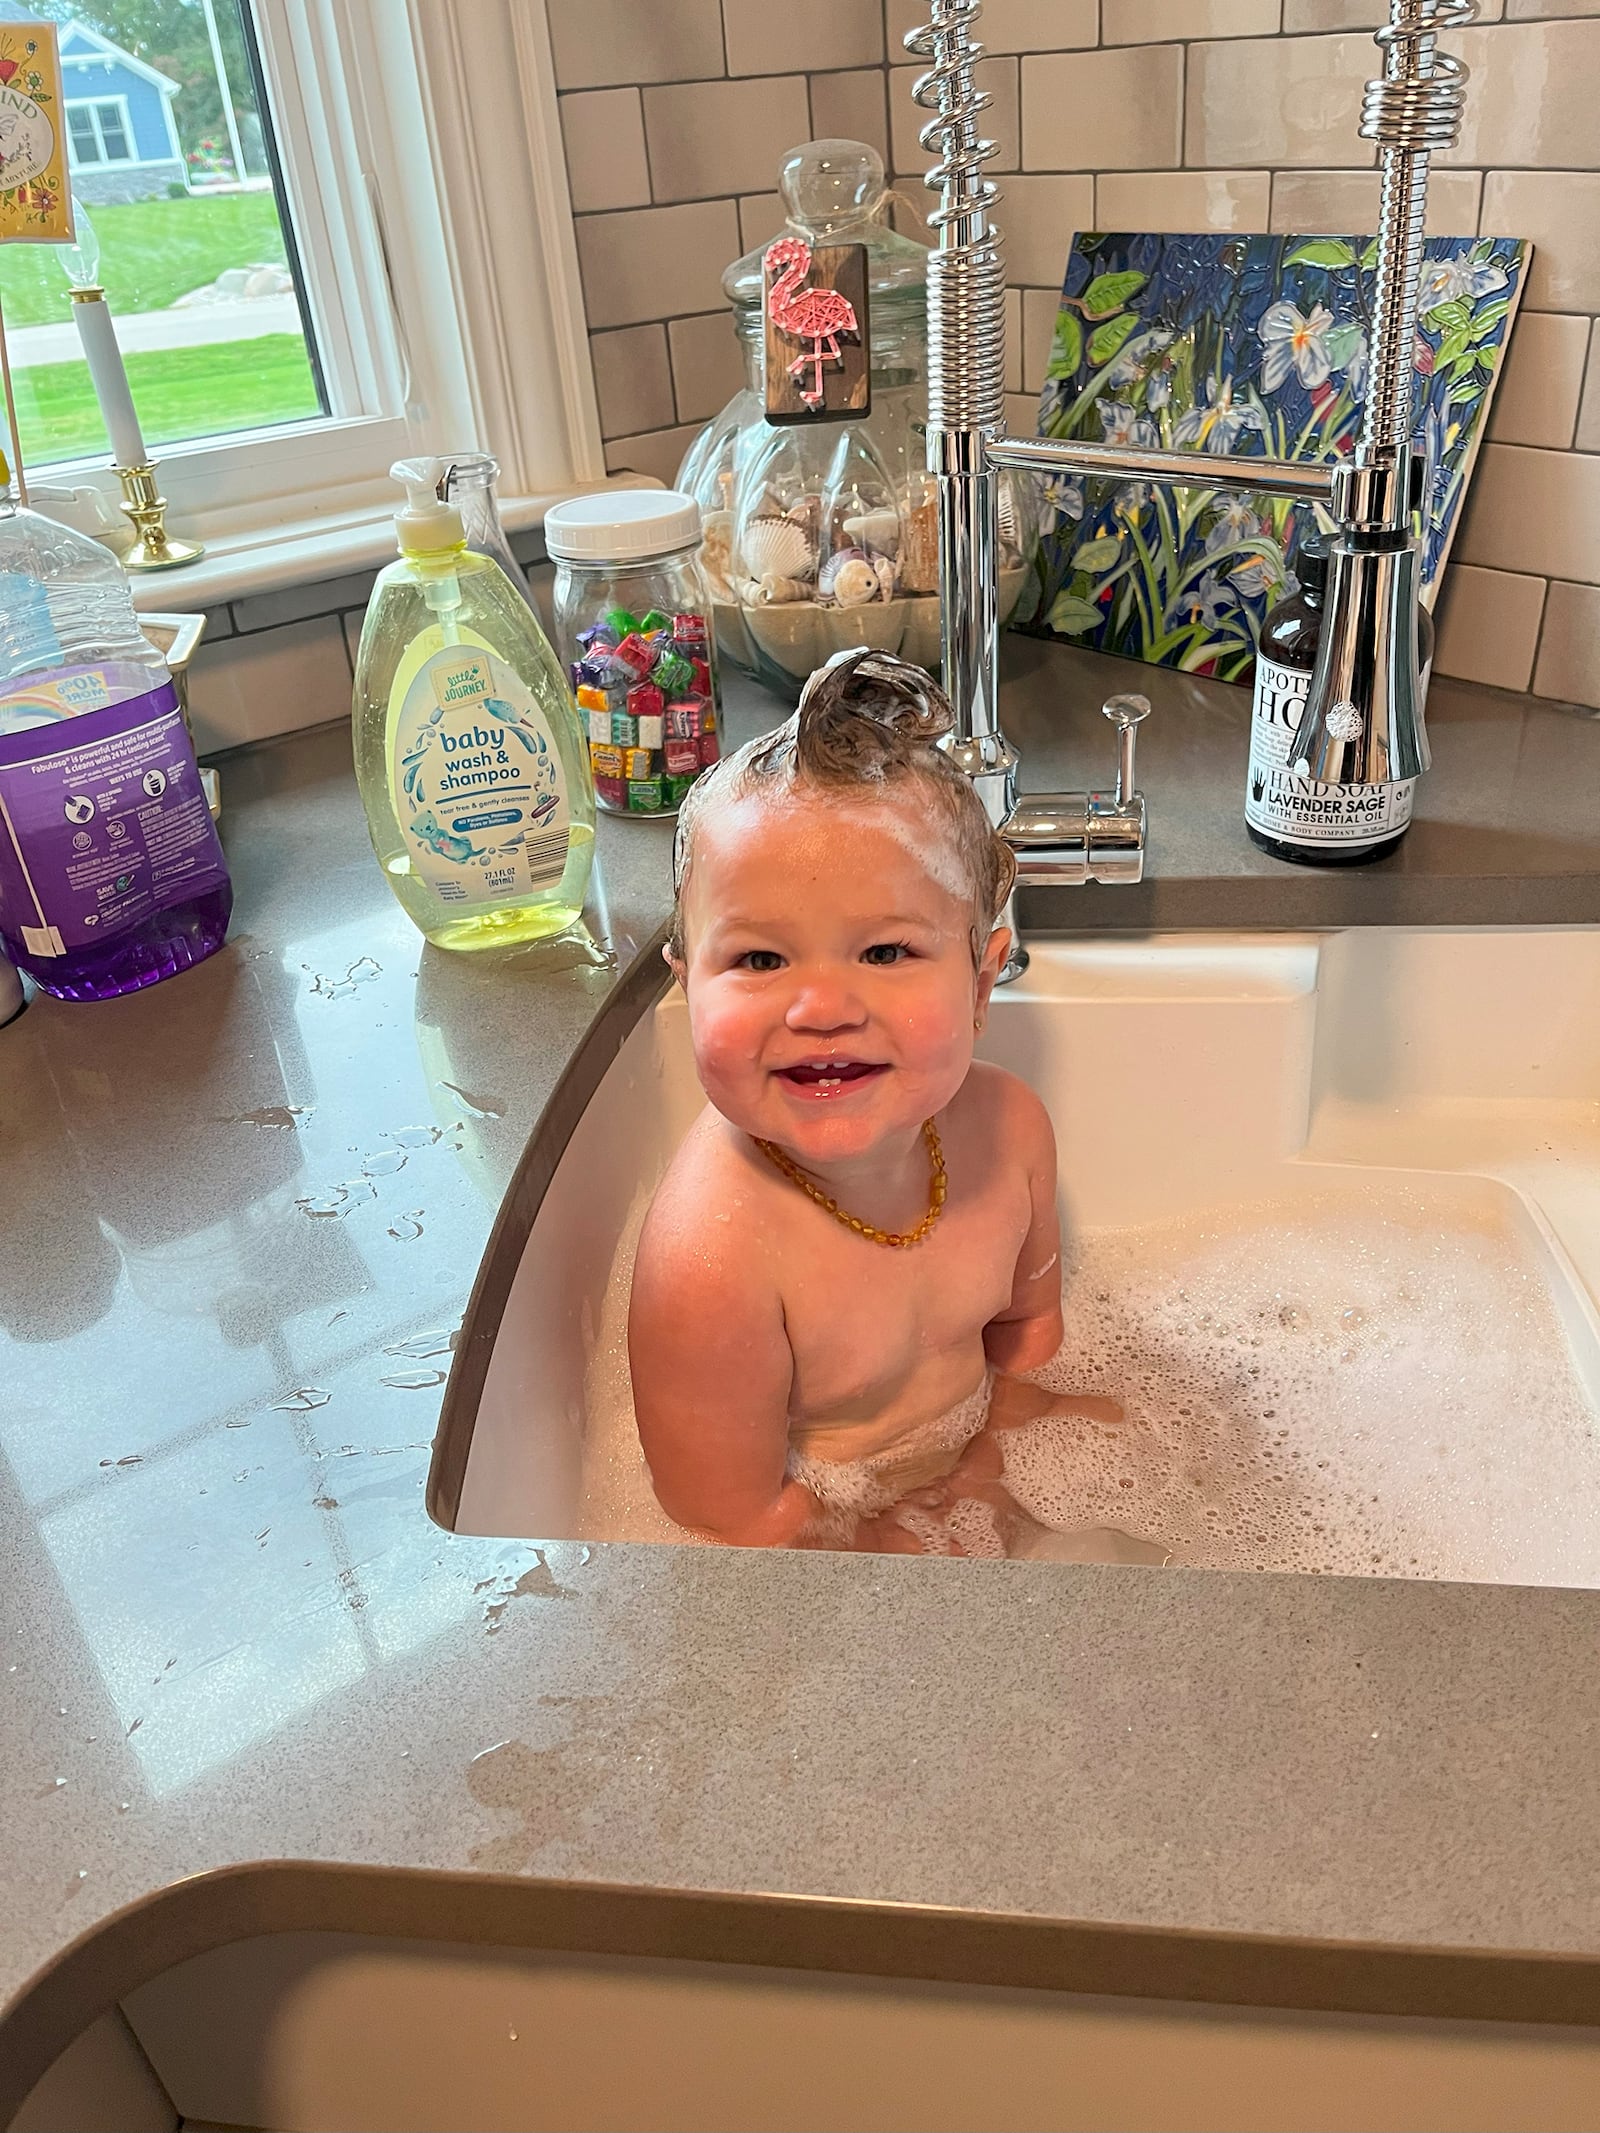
(1363,724)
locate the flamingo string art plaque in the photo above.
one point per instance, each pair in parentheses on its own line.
(818,299)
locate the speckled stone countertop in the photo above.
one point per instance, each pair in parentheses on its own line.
(239,1217)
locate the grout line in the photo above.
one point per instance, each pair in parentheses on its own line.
(1538,635)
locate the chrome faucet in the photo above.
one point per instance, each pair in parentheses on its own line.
(1363,718)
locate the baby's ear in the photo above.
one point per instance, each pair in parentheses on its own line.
(991,963)
(676,964)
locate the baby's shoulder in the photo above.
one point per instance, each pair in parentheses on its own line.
(998,1115)
(705,1217)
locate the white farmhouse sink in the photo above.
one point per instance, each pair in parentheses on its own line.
(1333,1216)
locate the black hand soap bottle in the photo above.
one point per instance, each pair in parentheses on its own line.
(1293,817)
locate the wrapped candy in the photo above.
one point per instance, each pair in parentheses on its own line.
(683,758)
(646,796)
(674,674)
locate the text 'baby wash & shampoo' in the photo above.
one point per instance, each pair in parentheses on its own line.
(471,763)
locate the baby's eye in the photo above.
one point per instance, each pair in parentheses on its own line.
(882,954)
(760,959)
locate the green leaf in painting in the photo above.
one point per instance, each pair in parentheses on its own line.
(1341,342)
(1110,292)
(1454,344)
(1067,351)
(1446,318)
(1322,252)
(1106,341)
(1097,555)
(1072,617)
(1489,317)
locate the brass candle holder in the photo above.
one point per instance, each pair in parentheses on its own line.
(154,548)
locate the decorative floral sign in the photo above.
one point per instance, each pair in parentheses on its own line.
(35,200)
(1244,345)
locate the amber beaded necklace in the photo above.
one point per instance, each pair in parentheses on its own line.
(936,1193)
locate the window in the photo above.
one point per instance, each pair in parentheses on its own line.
(99,132)
(311,270)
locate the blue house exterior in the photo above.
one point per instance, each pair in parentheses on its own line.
(121,138)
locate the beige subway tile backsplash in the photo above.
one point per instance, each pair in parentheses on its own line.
(1489,626)
(710,137)
(761,218)
(1541,10)
(851,107)
(1149,21)
(1007,25)
(1293,100)
(1569,652)
(1182,199)
(1533,95)
(1542,382)
(1560,211)
(648,262)
(601,42)
(1534,511)
(1367,14)
(707,368)
(658,453)
(1588,438)
(1041,216)
(1121,109)
(764,38)
(1346,202)
(632,379)
(604,134)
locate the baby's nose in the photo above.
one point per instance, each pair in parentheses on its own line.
(823,1001)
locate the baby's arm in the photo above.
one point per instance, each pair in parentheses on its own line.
(1029,1331)
(711,1374)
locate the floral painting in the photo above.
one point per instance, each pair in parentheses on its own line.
(1246,345)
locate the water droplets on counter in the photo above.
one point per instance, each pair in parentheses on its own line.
(406,1228)
(413,1380)
(422,1136)
(384,1163)
(271,1118)
(304,1400)
(129,1459)
(420,1346)
(475,1106)
(360,972)
(339,1201)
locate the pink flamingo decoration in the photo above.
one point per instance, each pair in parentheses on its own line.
(817,316)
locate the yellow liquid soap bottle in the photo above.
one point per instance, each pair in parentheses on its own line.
(472,765)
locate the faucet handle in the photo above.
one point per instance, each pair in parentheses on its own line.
(1125,713)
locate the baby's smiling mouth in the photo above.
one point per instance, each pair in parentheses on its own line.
(829,1077)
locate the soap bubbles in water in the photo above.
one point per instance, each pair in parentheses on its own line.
(1371,1381)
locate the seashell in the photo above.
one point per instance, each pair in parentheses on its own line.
(717,554)
(777,548)
(888,573)
(852,576)
(876,531)
(855,582)
(773,591)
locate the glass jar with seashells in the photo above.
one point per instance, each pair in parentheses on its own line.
(821,536)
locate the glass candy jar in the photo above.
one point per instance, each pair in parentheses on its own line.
(633,621)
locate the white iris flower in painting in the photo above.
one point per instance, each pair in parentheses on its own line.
(1295,342)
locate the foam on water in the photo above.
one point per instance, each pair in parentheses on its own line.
(1374,1381)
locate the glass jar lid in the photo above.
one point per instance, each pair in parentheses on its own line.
(621,525)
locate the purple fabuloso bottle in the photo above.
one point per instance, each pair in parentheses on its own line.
(111,874)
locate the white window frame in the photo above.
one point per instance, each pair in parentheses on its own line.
(422,156)
(94,106)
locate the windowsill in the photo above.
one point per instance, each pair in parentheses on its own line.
(239,565)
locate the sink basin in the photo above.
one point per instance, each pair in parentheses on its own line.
(1332,1237)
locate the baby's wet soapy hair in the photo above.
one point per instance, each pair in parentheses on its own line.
(866,730)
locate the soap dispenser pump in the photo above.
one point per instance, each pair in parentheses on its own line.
(472,765)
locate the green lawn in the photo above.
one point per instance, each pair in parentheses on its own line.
(151,252)
(179,392)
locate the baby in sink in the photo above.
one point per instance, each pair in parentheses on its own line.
(860,1230)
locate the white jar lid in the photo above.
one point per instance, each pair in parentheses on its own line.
(618,525)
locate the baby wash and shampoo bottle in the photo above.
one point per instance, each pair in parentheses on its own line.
(472,766)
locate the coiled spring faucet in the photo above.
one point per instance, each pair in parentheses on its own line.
(1363,717)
